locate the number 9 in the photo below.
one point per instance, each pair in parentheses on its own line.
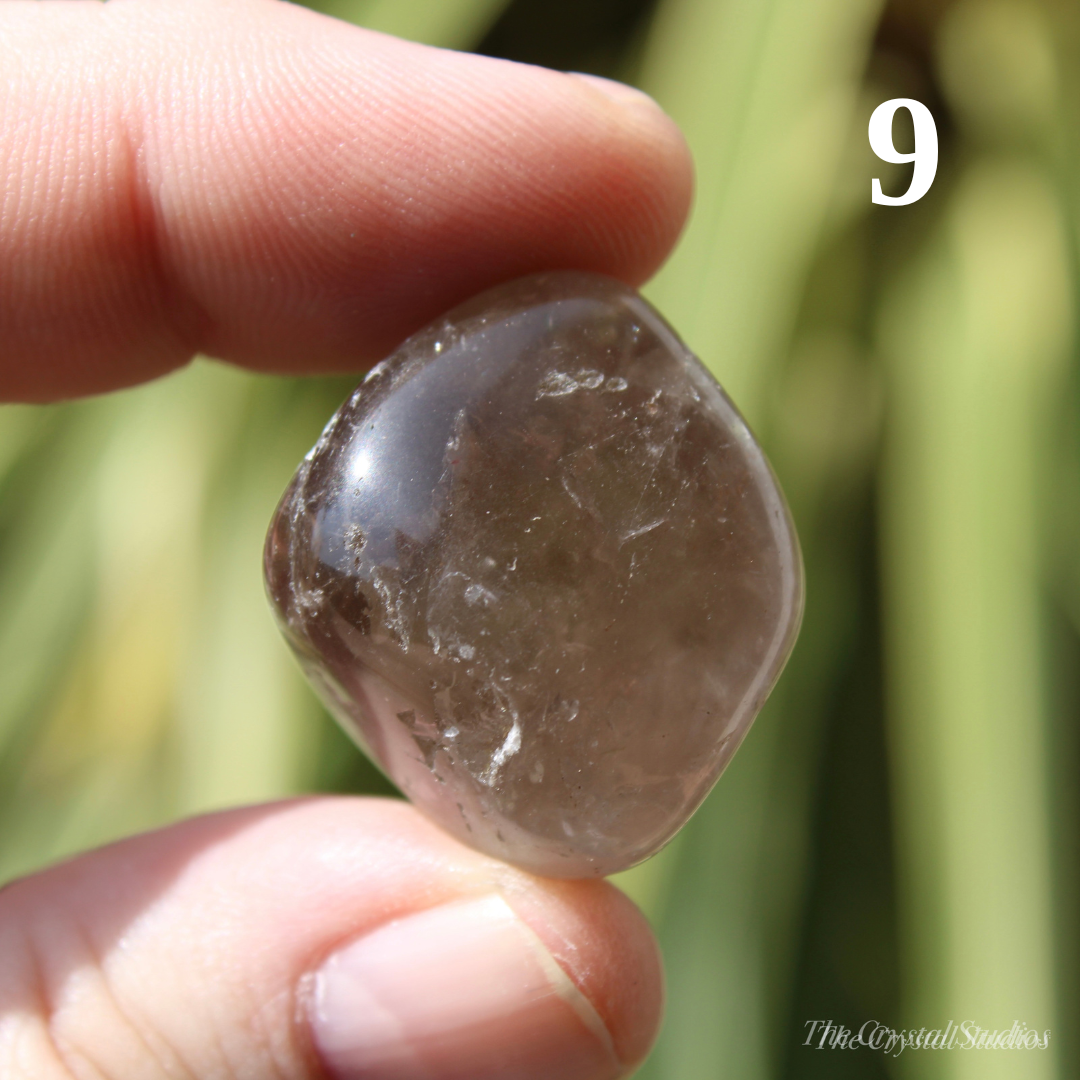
(926,149)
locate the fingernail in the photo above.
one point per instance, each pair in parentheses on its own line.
(619,92)
(464,991)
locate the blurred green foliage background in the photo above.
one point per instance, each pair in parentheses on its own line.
(898,839)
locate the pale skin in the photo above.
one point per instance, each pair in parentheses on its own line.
(253,181)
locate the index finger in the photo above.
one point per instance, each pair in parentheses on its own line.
(255,181)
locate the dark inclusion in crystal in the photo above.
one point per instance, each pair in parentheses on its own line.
(538,566)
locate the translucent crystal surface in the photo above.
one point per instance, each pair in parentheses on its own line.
(539,568)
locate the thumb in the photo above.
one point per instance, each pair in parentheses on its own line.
(329,937)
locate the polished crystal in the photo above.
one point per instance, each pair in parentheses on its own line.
(541,571)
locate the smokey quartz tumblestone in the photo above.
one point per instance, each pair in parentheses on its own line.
(541,571)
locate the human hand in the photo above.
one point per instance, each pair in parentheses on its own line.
(254,181)
(257,182)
